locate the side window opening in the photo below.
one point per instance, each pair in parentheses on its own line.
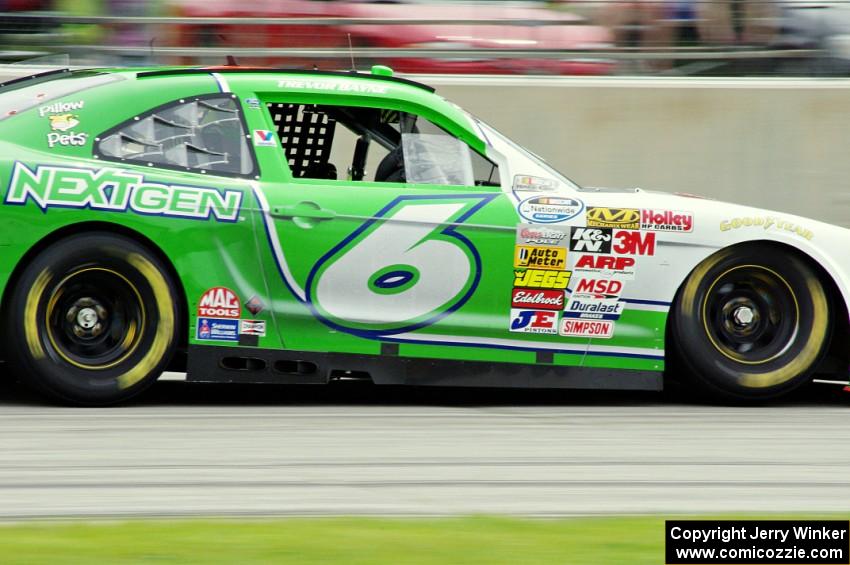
(199,134)
(375,144)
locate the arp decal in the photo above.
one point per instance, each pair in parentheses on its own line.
(115,190)
(606,265)
(540,299)
(549,209)
(219,302)
(591,240)
(553,258)
(529,234)
(534,321)
(666,220)
(574,327)
(622,218)
(591,306)
(400,271)
(539,278)
(634,243)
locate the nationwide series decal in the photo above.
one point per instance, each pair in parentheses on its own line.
(572,327)
(554,258)
(766,223)
(118,191)
(623,218)
(549,209)
(534,321)
(539,278)
(537,298)
(592,240)
(529,234)
(666,220)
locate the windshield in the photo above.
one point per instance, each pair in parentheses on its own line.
(25,95)
(519,153)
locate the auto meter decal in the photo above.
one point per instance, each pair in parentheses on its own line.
(219,302)
(554,258)
(549,209)
(115,190)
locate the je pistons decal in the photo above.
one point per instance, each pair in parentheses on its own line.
(115,190)
(537,298)
(549,209)
(554,258)
(592,240)
(534,321)
(623,218)
(219,302)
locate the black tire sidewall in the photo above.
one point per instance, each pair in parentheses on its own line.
(56,376)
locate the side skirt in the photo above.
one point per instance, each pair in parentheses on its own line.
(248,365)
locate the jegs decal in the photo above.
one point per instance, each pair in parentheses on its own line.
(539,278)
(116,190)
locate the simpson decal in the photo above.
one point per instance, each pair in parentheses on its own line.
(591,240)
(534,321)
(537,298)
(623,218)
(538,278)
(665,220)
(529,234)
(219,302)
(549,209)
(118,191)
(572,327)
(554,258)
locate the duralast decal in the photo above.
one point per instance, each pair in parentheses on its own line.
(590,306)
(118,191)
(766,223)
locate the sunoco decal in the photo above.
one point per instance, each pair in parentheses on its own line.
(550,209)
(118,191)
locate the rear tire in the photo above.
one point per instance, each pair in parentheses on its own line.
(751,323)
(92,319)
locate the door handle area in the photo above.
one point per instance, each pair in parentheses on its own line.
(304,209)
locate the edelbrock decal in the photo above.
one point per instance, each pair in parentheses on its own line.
(116,190)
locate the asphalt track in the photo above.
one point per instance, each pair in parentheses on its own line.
(189,449)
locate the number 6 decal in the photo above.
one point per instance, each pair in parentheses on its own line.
(402,270)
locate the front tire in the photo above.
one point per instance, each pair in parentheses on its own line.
(751,323)
(92,319)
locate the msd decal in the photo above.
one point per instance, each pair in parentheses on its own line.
(219,302)
(534,321)
(666,220)
(541,299)
(606,288)
(634,243)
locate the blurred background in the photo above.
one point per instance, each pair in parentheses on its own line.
(740,100)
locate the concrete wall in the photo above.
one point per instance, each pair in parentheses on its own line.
(774,143)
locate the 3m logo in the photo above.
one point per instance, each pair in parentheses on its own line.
(534,321)
(554,258)
(592,240)
(541,299)
(623,218)
(219,302)
(634,243)
(539,278)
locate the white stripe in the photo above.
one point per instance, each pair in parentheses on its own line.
(577,348)
(222,82)
(275,241)
(647,307)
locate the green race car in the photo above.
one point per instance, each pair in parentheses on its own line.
(259,225)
